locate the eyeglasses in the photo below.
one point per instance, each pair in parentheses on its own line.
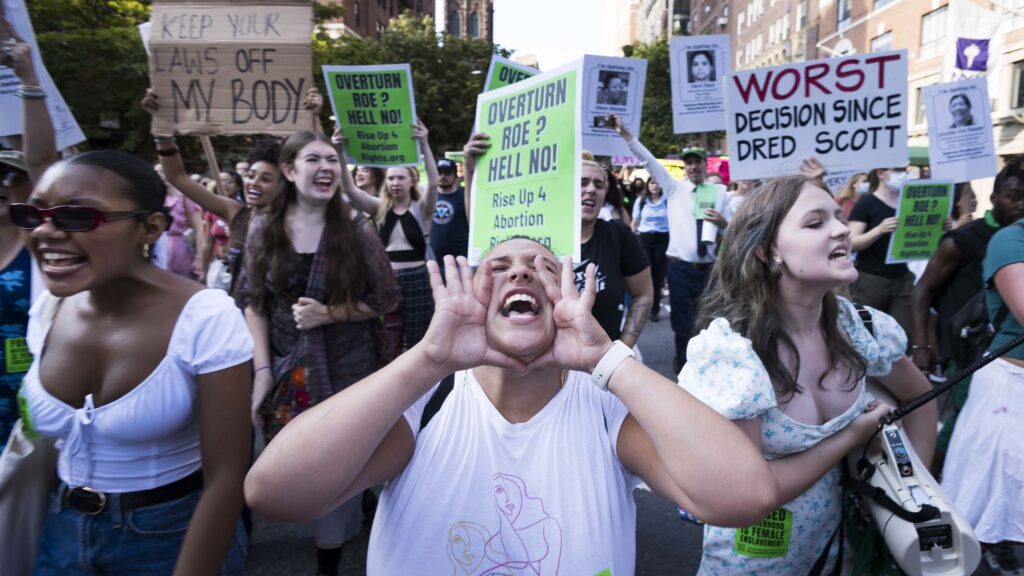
(67,218)
(11,178)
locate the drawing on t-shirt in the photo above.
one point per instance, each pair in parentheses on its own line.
(579,275)
(443,212)
(528,540)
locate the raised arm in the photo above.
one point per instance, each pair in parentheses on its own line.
(314,102)
(38,142)
(358,438)
(656,170)
(421,134)
(177,176)
(477,145)
(364,202)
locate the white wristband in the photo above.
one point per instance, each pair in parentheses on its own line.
(609,362)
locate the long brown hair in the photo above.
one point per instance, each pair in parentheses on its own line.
(744,288)
(345,278)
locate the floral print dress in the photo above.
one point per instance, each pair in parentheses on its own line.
(726,374)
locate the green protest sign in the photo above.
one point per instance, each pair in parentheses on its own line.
(922,211)
(375,108)
(454,155)
(768,538)
(528,181)
(705,200)
(504,72)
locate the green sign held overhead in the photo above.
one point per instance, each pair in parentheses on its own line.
(375,108)
(528,181)
(504,72)
(923,210)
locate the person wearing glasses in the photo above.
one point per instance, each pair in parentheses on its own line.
(142,376)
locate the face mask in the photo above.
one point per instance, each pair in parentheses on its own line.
(862,188)
(895,180)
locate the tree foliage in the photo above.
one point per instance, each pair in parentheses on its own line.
(448,72)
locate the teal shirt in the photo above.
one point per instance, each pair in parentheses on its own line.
(1005,248)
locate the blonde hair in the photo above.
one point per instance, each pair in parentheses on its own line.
(849,191)
(387,202)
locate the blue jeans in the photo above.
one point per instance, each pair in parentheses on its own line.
(142,542)
(685,287)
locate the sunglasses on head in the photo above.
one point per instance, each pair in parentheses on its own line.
(67,218)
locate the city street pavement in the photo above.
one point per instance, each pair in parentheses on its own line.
(665,544)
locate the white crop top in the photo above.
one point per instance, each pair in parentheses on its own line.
(150,436)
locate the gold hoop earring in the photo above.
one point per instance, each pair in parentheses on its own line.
(145,251)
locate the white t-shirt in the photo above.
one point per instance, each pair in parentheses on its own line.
(482,496)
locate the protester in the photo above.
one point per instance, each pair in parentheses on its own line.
(307,240)
(614,205)
(369,179)
(886,287)
(232,185)
(965,202)
(855,187)
(260,191)
(404,220)
(19,275)
(184,234)
(449,233)
(785,359)
(124,350)
(539,447)
(650,221)
(690,253)
(986,454)
(952,278)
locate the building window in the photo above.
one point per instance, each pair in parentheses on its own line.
(933,32)
(739,24)
(919,117)
(474,25)
(357,14)
(882,42)
(843,10)
(801,15)
(454,24)
(1018,84)
(879,4)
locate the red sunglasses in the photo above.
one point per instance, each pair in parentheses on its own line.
(67,218)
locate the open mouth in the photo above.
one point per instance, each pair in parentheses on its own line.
(587,203)
(324,182)
(61,263)
(519,305)
(838,253)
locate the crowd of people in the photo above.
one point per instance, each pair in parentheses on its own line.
(164,316)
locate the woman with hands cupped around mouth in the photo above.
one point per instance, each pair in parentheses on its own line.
(537,447)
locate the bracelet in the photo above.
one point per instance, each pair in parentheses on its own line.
(30,92)
(611,360)
(924,347)
(256,371)
(167,151)
(159,139)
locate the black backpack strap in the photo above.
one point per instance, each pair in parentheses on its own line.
(865,317)
(444,388)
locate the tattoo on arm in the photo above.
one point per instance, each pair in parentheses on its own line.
(635,320)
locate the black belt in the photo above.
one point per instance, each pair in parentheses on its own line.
(92,502)
(694,265)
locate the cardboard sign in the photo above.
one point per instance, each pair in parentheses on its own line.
(528,181)
(611,86)
(699,66)
(504,72)
(376,110)
(229,67)
(922,211)
(960,142)
(848,112)
(65,128)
